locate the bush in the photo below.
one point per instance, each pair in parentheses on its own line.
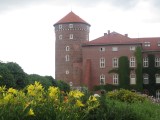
(126,96)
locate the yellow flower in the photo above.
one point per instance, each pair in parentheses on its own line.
(8,97)
(2,89)
(76,94)
(31,113)
(11,90)
(53,92)
(92,98)
(79,103)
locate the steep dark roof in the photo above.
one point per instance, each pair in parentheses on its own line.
(71,18)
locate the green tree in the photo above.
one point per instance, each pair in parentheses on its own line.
(6,78)
(18,74)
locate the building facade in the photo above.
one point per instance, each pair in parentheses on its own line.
(81,62)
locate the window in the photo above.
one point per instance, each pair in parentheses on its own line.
(102,79)
(147,44)
(157,62)
(145,79)
(115,79)
(67,48)
(159,44)
(70,25)
(157,94)
(67,57)
(132,62)
(67,72)
(60,37)
(115,62)
(114,48)
(60,26)
(132,48)
(132,79)
(70,84)
(145,62)
(102,49)
(71,36)
(157,78)
(102,62)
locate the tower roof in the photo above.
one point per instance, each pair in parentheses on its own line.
(71,18)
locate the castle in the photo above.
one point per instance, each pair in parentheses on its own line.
(81,62)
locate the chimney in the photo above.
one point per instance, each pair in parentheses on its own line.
(126,35)
(108,31)
(105,34)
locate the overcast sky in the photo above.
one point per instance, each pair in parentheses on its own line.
(27,33)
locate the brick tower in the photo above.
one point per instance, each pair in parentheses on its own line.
(70,32)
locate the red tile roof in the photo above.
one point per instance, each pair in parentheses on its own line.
(111,38)
(71,18)
(116,38)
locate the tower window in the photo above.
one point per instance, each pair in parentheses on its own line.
(60,26)
(70,25)
(60,37)
(67,48)
(67,57)
(102,62)
(102,79)
(71,36)
(67,72)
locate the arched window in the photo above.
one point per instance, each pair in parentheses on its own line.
(67,57)
(145,79)
(102,79)
(67,48)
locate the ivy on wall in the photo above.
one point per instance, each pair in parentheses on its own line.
(151,70)
(138,71)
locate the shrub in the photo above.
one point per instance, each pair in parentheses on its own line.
(126,96)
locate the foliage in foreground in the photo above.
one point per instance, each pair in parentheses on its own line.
(37,103)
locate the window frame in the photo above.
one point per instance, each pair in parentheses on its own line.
(145,62)
(67,48)
(145,79)
(70,36)
(102,62)
(102,79)
(102,49)
(115,62)
(67,58)
(60,26)
(157,77)
(115,79)
(157,62)
(132,48)
(158,94)
(114,49)
(132,78)
(132,61)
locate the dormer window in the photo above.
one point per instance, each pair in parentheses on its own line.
(70,25)
(147,44)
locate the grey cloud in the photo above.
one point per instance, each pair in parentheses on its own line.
(11,4)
